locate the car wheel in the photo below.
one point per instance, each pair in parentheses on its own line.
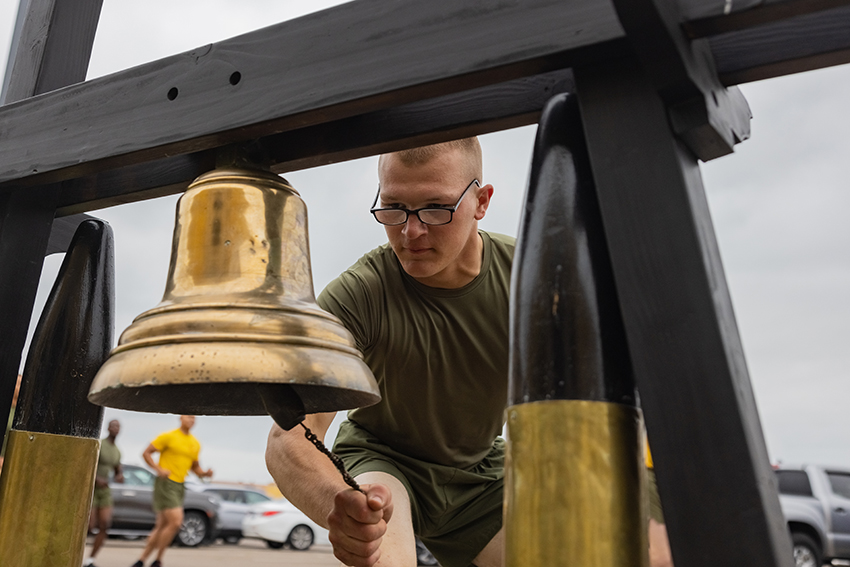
(232,540)
(806,551)
(423,556)
(194,529)
(300,538)
(274,544)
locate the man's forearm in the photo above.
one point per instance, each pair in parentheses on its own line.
(149,460)
(306,477)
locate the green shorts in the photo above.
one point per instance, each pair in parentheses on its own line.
(102,497)
(167,494)
(655,511)
(455,512)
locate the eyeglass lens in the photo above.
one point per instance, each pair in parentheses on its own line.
(426,216)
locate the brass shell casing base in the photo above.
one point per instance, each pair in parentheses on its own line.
(45,499)
(575,486)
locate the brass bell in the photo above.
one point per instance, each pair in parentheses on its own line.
(238,331)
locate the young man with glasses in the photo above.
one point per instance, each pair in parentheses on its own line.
(429,311)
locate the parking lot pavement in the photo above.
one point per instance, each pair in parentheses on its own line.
(120,553)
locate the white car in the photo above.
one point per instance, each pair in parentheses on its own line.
(280,523)
(236,501)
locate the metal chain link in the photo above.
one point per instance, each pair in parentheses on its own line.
(312,438)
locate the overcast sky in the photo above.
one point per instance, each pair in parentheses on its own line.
(779,207)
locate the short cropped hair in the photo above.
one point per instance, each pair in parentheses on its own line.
(424,154)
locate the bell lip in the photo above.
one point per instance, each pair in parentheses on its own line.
(303,308)
(130,379)
(176,339)
(240,175)
(302,325)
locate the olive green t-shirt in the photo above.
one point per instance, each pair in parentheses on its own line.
(440,356)
(110,457)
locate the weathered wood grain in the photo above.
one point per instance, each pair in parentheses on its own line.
(473,112)
(802,43)
(759,14)
(353,59)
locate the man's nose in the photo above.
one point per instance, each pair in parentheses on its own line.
(414,227)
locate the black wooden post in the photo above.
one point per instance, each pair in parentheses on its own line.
(714,477)
(48,476)
(573,491)
(51,47)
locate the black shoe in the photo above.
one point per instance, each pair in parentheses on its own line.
(156,563)
(138,564)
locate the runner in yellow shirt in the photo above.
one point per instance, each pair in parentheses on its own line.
(178,454)
(659,545)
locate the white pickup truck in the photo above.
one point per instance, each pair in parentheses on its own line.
(816,503)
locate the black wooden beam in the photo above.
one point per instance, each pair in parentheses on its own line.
(478,111)
(765,13)
(353,59)
(708,117)
(52,46)
(62,232)
(802,43)
(714,476)
(43,31)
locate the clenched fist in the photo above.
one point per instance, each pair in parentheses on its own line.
(358,522)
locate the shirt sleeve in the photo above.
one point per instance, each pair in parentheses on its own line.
(161,442)
(351,298)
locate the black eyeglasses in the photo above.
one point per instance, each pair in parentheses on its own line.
(433,216)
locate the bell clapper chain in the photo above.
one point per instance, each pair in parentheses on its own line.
(312,438)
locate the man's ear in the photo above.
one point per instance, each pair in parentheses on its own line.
(484,195)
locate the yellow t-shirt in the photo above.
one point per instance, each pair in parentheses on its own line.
(177,452)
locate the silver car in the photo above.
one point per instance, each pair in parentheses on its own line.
(133,516)
(235,502)
(815,501)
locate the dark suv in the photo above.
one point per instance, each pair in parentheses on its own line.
(133,516)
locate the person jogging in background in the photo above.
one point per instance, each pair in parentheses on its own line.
(108,463)
(178,454)
(659,545)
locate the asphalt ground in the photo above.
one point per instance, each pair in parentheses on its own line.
(121,553)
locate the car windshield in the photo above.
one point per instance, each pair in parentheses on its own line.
(794,482)
(135,476)
(256,497)
(240,496)
(840,483)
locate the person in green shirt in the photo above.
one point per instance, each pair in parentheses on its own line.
(429,312)
(108,464)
